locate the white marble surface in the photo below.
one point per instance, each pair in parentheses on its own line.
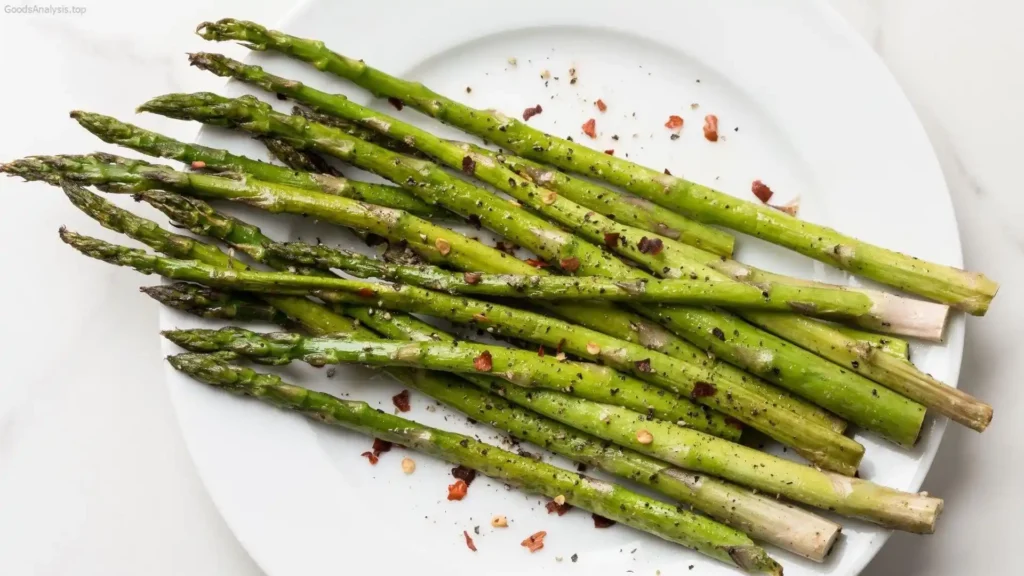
(94,478)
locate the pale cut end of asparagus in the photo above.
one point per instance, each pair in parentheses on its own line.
(908,316)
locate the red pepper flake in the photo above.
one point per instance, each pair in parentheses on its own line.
(674,123)
(198,165)
(601,521)
(601,105)
(468,165)
(401,401)
(534,542)
(398,104)
(483,363)
(481,317)
(537,263)
(711,128)
(472,277)
(443,246)
(610,152)
(729,420)
(763,193)
(652,246)
(590,128)
(644,365)
(558,349)
(366,292)
(371,457)
(703,390)
(561,509)
(540,351)
(531,112)
(381,446)
(611,239)
(570,264)
(467,475)
(469,541)
(457,491)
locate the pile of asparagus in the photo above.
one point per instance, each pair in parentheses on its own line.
(642,348)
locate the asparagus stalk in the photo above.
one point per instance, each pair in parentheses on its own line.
(846,394)
(115,132)
(890,345)
(634,510)
(741,395)
(874,310)
(761,517)
(687,448)
(967,291)
(299,160)
(517,323)
(205,302)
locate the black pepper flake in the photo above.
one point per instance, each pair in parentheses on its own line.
(398,104)
(574,557)
(703,390)
(467,475)
(717,332)
(468,165)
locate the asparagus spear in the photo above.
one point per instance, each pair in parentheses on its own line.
(846,394)
(115,132)
(761,517)
(608,500)
(891,345)
(971,292)
(299,160)
(741,395)
(664,371)
(209,303)
(873,310)
(687,448)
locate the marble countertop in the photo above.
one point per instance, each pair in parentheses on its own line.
(94,477)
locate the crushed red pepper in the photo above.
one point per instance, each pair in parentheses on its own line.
(398,104)
(457,491)
(535,541)
(469,541)
(610,152)
(763,192)
(540,351)
(601,521)
(600,105)
(644,365)
(371,457)
(561,509)
(711,128)
(401,401)
(472,277)
(531,112)
(611,239)
(381,446)
(483,362)
(590,128)
(570,264)
(703,390)
(652,246)
(366,292)
(674,123)
(468,165)
(537,263)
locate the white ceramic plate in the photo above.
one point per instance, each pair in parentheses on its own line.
(803,105)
